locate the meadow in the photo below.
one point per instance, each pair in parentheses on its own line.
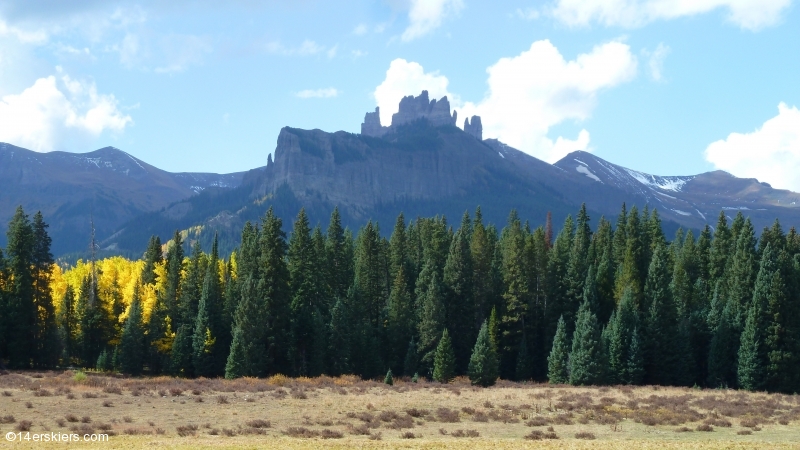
(347,412)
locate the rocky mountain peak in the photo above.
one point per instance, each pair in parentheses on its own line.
(474,129)
(411,108)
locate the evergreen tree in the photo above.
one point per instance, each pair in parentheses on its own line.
(46,333)
(246,353)
(340,261)
(388,379)
(587,358)
(517,297)
(132,343)
(722,354)
(204,341)
(444,363)
(558,361)
(341,337)
(273,286)
(21,319)
(400,319)
(431,323)
(483,364)
(152,257)
(182,354)
(622,330)
(301,272)
(92,323)
(174,267)
(460,305)
(481,255)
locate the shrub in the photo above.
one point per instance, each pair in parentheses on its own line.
(72,418)
(28,405)
(300,432)
(480,416)
(537,435)
(447,415)
(24,425)
(258,423)
(584,435)
(42,393)
(79,376)
(175,392)
(186,430)
(7,394)
(417,413)
(108,404)
(86,419)
(705,427)
(112,390)
(222,400)
(682,430)
(7,419)
(744,432)
(401,422)
(331,434)
(89,395)
(408,435)
(538,421)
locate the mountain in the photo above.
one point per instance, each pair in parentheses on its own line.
(108,185)
(420,164)
(693,200)
(423,165)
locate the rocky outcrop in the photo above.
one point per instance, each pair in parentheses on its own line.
(411,109)
(372,124)
(474,129)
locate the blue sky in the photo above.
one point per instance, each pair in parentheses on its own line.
(662,86)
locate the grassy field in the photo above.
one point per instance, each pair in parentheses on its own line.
(340,413)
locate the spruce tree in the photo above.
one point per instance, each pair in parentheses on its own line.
(273,286)
(722,354)
(46,332)
(431,323)
(481,251)
(152,257)
(622,330)
(204,342)
(132,343)
(558,361)
(460,307)
(587,359)
(301,272)
(174,267)
(21,311)
(245,358)
(444,363)
(388,379)
(400,319)
(483,364)
(340,337)
(340,261)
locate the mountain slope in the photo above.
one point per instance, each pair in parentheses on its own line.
(108,185)
(693,200)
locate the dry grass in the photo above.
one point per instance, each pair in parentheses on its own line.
(347,412)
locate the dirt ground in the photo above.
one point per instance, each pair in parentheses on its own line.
(346,412)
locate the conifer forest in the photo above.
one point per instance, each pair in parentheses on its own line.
(593,303)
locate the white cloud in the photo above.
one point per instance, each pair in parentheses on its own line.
(307,48)
(426,15)
(358,53)
(332,51)
(360,30)
(770,153)
(527,13)
(656,60)
(528,94)
(37,36)
(748,14)
(407,78)
(318,93)
(44,117)
(183,51)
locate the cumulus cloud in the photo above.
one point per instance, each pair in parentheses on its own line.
(528,94)
(770,153)
(54,111)
(408,78)
(427,15)
(318,93)
(748,14)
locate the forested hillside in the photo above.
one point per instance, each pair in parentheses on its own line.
(620,305)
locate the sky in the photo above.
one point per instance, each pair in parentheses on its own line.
(669,87)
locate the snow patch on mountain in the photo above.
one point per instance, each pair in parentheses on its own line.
(587,172)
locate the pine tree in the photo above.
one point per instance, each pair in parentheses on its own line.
(431,323)
(246,352)
(483,364)
(460,307)
(340,338)
(722,354)
(273,286)
(46,332)
(204,342)
(152,257)
(340,261)
(174,268)
(301,272)
(21,319)
(388,379)
(558,361)
(587,359)
(92,323)
(444,363)
(516,298)
(132,344)
(400,319)
(622,330)
(481,253)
